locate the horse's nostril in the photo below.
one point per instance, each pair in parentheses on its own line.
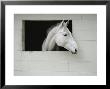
(75,50)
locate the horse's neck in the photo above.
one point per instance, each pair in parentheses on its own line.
(49,41)
(51,44)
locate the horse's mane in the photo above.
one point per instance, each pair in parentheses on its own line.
(50,33)
(51,28)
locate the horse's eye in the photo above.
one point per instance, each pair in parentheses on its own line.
(65,34)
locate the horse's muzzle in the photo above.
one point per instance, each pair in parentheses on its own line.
(74,52)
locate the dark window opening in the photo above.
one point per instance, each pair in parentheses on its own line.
(35,31)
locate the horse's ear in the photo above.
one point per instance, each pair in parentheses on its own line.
(66,24)
(61,23)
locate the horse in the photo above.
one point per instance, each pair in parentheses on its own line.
(60,36)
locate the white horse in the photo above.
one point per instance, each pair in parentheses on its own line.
(61,36)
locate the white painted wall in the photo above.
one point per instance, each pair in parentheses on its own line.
(57,62)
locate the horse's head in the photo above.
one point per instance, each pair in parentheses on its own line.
(64,38)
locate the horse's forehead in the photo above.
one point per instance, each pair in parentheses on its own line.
(64,29)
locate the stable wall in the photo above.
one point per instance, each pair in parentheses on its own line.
(84,27)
